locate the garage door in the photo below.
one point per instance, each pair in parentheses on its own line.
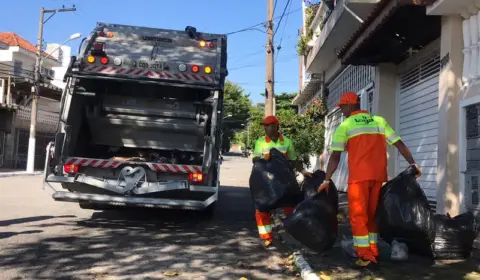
(418,119)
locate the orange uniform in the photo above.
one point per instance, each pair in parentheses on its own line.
(364,136)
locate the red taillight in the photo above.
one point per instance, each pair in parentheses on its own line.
(104,60)
(211,45)
(98,46)
(195,68)
(101,33)
(70,168)
(195,177)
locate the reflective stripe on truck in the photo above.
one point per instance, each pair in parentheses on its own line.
(135,72)
(158,167)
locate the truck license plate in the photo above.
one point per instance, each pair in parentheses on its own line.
(154,65)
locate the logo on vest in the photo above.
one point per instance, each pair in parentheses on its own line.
(364,119)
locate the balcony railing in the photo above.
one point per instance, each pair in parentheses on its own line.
(45,117)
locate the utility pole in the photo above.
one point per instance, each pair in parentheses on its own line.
(269,83)
(36,85)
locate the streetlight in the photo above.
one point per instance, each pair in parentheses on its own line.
(36,93)
(74,36)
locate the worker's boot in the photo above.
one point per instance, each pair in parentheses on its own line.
(267,244)
(366,260)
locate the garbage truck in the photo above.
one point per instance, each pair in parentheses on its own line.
(140,120)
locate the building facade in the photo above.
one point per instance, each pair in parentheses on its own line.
(416,63)
(17,62)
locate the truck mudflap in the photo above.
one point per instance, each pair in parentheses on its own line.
(125,190)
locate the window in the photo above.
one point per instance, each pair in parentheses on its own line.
(60,55)
(17,68)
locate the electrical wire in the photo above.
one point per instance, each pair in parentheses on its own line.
(258,24)
(283,33)
(281,17)
(258,65)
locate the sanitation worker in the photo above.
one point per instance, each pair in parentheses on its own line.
(365,137)
(273,139)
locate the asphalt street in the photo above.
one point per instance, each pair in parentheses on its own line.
(44,239)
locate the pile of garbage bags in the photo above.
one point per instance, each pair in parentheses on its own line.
(404,218)
(314,221)
(454,236)
(273,183)
(404,215)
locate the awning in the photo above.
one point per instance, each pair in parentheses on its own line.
(344,20)
(46,89)
(392,30)
(311,87)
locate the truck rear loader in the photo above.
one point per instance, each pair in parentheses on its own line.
(140,120)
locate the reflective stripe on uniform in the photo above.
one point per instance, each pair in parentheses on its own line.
(264,229)
(361,241)
(392,138)
(281,149)
(337,145)
(372,237)
(365,130)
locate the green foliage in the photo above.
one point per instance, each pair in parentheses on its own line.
(237,104)
(309,16)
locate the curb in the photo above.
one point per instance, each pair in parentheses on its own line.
(306,271)
(19,173)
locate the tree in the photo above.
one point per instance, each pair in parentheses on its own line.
(238,105)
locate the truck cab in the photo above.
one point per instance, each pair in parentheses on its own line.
(140,120)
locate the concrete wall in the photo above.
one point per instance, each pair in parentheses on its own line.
(384,102)
(448,191)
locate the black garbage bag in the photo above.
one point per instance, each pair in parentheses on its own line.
(273,183)
(454,237)
(314,222)
(310,186)
(403,213)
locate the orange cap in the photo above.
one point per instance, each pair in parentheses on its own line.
(270,120)
(348,98)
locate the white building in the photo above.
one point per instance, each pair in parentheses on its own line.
(17,61)
(62,54)
(416,63)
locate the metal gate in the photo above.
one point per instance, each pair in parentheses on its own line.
(418,119)
(2,148)
(472,172)
(42,140)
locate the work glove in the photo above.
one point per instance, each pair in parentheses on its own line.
(306,173)
(419,172)
(324,186)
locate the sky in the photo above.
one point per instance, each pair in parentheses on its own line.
(246,50)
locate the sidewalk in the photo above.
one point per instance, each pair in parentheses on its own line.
(335,264)
(5,172)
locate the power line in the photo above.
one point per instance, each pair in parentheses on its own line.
(279,47)
(283,14)
(253,27)
(257,65)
